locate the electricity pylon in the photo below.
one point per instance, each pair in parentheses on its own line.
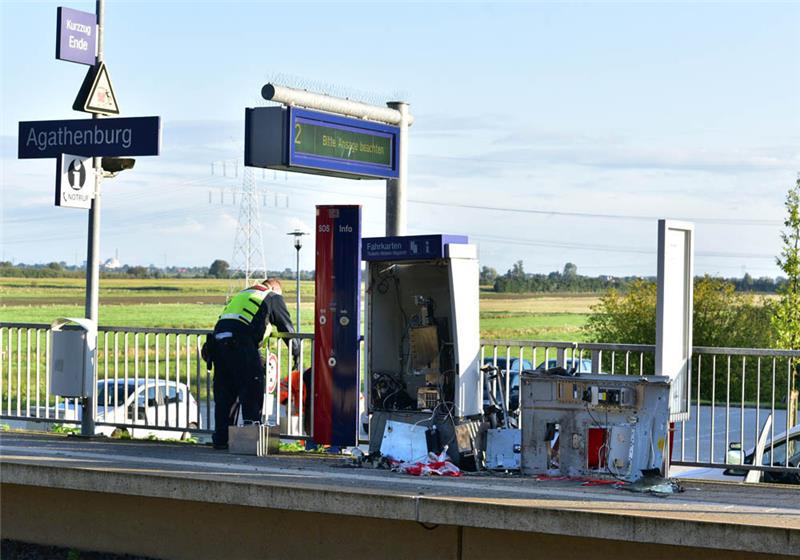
(248,262)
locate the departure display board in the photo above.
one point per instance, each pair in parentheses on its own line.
(324,141)
(314,138)
(305,141)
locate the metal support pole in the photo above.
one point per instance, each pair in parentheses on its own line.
(297,316)
(396,197)
(298,244)
(93,247)
(395,113)
(330,104)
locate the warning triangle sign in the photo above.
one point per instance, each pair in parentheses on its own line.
(96,94)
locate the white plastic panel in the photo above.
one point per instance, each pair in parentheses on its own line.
(464,286)
(674,312)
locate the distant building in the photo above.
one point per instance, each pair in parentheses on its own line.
(111,264)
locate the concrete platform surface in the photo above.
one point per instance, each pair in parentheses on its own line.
(730,516)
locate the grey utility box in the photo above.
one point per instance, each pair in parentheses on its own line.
(595,425)
(73,344)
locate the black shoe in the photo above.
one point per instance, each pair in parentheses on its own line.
(221,446)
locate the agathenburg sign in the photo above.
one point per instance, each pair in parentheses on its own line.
(118,137)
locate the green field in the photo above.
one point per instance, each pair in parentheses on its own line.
(195,303)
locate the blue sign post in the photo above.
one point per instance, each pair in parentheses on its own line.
(76,36)
(337,325)
(130,136)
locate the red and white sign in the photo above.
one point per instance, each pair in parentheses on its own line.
(272,373)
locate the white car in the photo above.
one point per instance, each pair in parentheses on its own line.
(163,409)
(773,455)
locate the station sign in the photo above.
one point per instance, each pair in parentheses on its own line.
(76,36)
(411,247)
(294,139)
(74,181)
(118,137)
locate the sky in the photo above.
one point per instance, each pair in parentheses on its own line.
(546,132)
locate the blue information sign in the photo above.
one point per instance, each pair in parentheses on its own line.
(411,247)
(129,136)
(307,141)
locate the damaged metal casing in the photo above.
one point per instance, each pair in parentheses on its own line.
(463,438)
(594,425)
(503,449)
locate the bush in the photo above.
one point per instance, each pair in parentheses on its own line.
(722,316)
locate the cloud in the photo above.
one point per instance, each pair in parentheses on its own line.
(298,224)
(496,163)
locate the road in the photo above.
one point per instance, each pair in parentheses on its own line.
(685,443)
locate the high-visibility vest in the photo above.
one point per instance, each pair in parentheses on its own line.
(244,305)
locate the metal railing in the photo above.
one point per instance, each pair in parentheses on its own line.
(148,381)
(734,390)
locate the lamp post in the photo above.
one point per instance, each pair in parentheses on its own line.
(298,244)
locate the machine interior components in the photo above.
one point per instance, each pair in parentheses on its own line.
(596,425)
(422,337)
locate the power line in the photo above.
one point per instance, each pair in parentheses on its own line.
(610,248)
(591,215)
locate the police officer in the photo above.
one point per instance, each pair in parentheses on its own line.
(238,365)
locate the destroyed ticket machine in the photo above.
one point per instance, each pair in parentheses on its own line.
(422,344)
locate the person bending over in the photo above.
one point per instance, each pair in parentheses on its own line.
(239,368)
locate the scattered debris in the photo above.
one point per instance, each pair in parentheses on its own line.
(584,480)
(433,464)
(653,483)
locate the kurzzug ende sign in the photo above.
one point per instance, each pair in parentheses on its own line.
(130,136)
(76,36)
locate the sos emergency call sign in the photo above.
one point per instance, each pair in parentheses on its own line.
(337,324)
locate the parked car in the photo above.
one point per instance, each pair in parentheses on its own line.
(166,408)
(774,455)
(583,365)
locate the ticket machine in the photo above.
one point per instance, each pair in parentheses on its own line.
(422,333)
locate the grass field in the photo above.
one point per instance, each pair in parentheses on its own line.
(195,303)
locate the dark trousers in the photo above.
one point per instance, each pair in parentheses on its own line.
(239,372)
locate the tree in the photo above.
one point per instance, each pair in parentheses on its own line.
(138,271)
(570,271)
(219,269)
(786,313)
(488,275)
(625,318)
(721,318)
